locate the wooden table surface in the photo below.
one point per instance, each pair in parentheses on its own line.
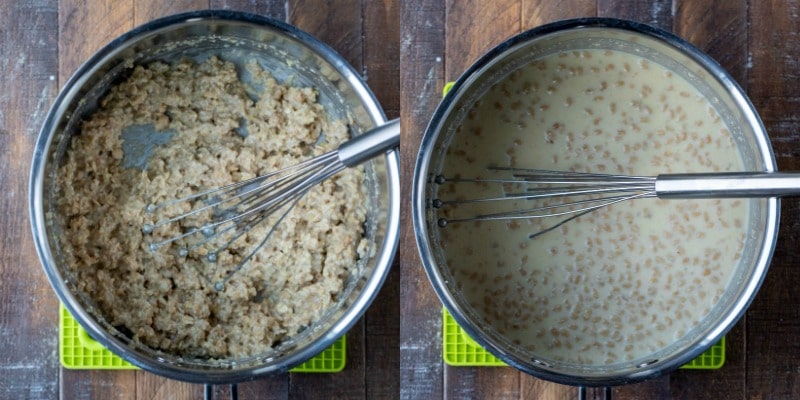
(42,44)
(757,41)
(407,50)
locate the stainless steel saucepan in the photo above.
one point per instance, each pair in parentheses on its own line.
(291,56)
(659,47)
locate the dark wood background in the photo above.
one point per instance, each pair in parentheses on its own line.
(756,40)
(42,42)
(407,49)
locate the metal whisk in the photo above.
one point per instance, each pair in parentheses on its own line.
(221,216)
(569,195)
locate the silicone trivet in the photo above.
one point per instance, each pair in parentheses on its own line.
(460,350)
(79,351)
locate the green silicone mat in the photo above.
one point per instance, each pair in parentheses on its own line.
(79,351)
(460,350)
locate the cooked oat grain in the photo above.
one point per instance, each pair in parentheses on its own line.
(219,135)
(622,282)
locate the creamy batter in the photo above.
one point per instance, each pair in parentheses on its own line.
(622,282)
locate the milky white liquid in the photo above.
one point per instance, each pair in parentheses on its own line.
(619,283)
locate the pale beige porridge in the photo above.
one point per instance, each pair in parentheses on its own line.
(622,282)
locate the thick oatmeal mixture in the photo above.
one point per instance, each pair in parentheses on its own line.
(210,129)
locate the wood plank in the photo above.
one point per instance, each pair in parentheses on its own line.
(381,57)
(382,54)
(719,28)
(422,46)
(467,40)
(338,24)
(656,388)
(267,388)
(773,351)
(28,306)
(151,386)
(87,26)
(148,10)
(773,75)
(542,12)
(98,384)
(653,12)
(382,336)
(270,8)
(537,389)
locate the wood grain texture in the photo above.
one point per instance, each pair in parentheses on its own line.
(382,345)
(85,27)
(467,40)
(147,10)
(76,384)
(339,24)
(657,13)
(272,9)
(533,388)
(719,28)
(773,80)
(407,50)
(421,78)
(535,13)
(382,55)
(739,35)
(29,65)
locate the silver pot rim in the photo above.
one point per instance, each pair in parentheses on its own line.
(422,176)
(37,213)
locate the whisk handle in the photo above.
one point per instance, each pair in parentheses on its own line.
(371,143)
(728,185)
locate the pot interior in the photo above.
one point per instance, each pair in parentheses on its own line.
(571,37)
(293,58)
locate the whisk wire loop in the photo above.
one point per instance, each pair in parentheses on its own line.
(553,189)
(226,214)
(569,195)
(237,208)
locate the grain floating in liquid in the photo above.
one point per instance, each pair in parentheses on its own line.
(622,282)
